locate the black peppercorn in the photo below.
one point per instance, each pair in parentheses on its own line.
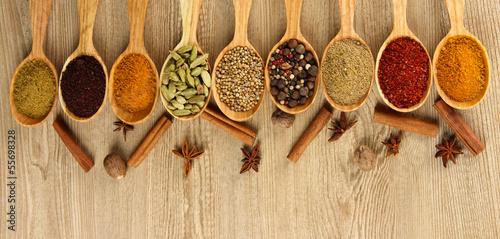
(296,72)
(293,83)
(303,101)
(310,93)
(281,84)
(295,94)
(286,90)
(286,52)
(313,70)
(292,103)
(281,95)
(300,49)
(308,56)
(274,91)
(303,75)
(274,82)
(302,62)
(293,43)
(310,85)
(303,91)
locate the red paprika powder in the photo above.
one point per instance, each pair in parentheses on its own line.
(403,72)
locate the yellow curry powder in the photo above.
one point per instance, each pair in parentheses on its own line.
(461,68)
(134,86)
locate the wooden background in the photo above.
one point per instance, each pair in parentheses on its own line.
(322,196)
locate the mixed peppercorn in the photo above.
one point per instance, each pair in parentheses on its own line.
(292,71)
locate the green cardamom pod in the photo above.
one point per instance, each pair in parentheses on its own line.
(176,56)
(195,108)
(197,81)
(185,55)
(164,91)
(174,77)
(189,91)
(199,61)
(170,91)
(188,106)
(177,105)
(196,71)
(181,112)
(182,74)
(205,67)
(201,104)
(171,107)
(194,54)
(207,79)
(179,63)
(182,87)
(196,99)
(205,91)
(190,80)
(181,99)
(185,49)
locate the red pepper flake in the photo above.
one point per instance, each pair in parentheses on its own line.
(403,72)
(275,62)
(290,56)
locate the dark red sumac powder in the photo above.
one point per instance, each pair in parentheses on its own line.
(83,86)
(403,72)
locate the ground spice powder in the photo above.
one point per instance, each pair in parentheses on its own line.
(83,86)
(134,83)
(461,68)
(34,89)
(403,72)
(347,71)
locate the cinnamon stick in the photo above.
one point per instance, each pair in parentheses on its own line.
(235,129)
(461,129)
(225,119)
(311,132)
(149,142)
(83,159)
(405,122)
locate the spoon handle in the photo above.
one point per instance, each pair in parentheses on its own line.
(87,10)
(293,10)
(241,15)
(400,25)
(136,17)
(347,9)
(190,15)
(456,12)
(40,14)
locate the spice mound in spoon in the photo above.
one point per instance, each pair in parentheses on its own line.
(186,82)
(403,72)
(134,83)
(34,89)
(83,86)
(348,70)
(293,71)
(461,68)
(240,79)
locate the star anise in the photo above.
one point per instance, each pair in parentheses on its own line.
(251,160)
(447,150)
(340,128)
(393,145)
(187,155)
(126,127)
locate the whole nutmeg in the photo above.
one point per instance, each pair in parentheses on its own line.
(364,158)
(282,119)
(115,166)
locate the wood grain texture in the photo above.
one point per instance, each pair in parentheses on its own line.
(322,196)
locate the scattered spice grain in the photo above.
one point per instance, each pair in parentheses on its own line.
(403,72)
(83,86)
(240,79)
(348,71)
(461,68)
(134,83)
(34,89)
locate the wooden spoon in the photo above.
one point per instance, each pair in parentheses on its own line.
(87,10)
(242,13)
(401,30)
(293,9)
(456,12)
(190,15)
(137,15)
(40,13)
(347,9)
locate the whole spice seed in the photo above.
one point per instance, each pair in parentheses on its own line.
(34,89)
(293,71)
(461,68)
(134,83)
(240,79)
(186,81)
(348,71)
(403,72)
(83,86)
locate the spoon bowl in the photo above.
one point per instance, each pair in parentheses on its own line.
(242,13)
(87,11)
(39,13)
(293,9)
(347,9)
(137,15)
(401,30)
(190,15)
(456,12)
